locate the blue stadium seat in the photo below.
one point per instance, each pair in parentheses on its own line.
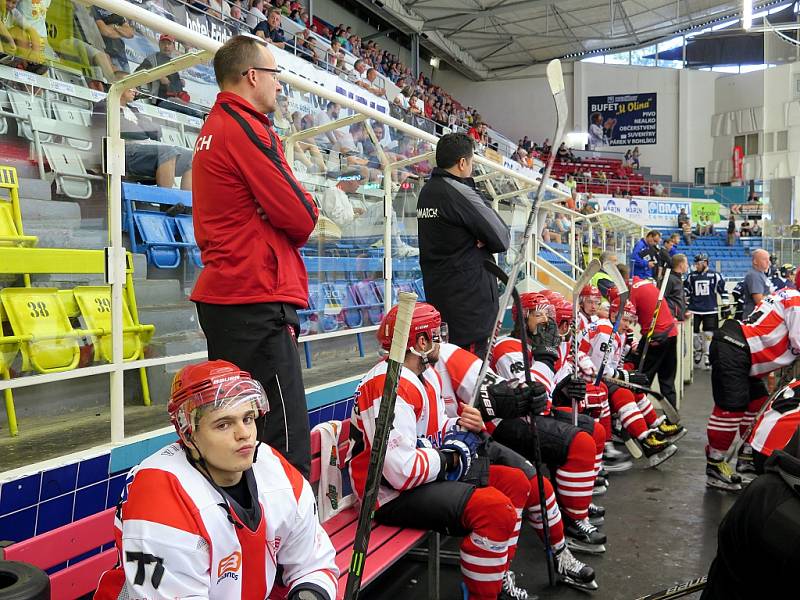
(157,234)
(185,226)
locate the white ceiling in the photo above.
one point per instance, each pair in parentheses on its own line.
(500,36)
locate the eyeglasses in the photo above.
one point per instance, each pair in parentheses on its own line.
(267,69)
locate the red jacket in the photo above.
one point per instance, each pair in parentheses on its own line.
(239,165)
(644,296)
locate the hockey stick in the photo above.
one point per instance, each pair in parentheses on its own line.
(669,410)
(734,449)
(555,80)
(611,270)
(493,268)
(383,425)
(678,590)
(592,269)
(652,329)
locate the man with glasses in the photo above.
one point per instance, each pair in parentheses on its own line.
(251,217)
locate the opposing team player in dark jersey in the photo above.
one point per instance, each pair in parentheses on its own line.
(702,288)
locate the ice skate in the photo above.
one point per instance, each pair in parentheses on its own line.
(570,571)
(720,475)
(582,536)
(656,450)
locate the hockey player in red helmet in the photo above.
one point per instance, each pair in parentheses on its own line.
(432,476)
(589,301)
(203,507)
(639,419)
(573,450)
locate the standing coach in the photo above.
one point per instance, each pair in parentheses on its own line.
(251,216)
(458,231)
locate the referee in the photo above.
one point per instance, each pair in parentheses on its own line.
(251,217)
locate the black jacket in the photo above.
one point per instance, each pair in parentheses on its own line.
(758,546)
(452,217)
(675,296)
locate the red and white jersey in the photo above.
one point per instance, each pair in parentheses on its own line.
(773,332)
(779,422)
(458,370)
(419,413)
(507,361)
(593,348)
(176,541)
(564,367)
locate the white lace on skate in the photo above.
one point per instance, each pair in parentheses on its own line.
(510,589)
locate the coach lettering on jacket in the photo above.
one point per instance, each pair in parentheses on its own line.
(427,213)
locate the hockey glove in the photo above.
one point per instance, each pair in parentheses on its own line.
(545,343)
(634,377)
(570,389)
(458,448)
(500,399)
(595,396)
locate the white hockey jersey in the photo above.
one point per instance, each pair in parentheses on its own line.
(593,347)
(773,332)
(176,541)
(419,413)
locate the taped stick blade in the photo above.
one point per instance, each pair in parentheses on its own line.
(555,77)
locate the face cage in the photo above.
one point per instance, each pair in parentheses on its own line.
(228,394)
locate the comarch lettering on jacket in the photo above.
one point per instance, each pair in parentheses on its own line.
(427,213)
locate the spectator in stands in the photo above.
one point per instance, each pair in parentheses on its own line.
(704,226)
(731,229)
(359,73)
(682,217)
(168,90)
(546,147)
(331,113)
(475,131)
(270,29)
(744,229)
(688,236)
(114,29)
(658,189)
(571,185)
(29,29)
(145,159)
(565,154)
(254,279)
(626,160)
(255,13)
(755,230)
(645,255)
(635,158)
(372,84)
(307,46)
(527,145)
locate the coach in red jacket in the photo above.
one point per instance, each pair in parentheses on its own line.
(251,216)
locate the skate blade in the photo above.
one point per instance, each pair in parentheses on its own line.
(747,478)
(659,458)
(599,491)
(597,521)
(619,467)
(578,546)
(589,586)
(677,436)
(713,482)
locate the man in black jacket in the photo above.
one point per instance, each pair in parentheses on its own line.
(458,231)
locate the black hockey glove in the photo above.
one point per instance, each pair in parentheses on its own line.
(569,389)
(634,377)
(545,343)
(505,400)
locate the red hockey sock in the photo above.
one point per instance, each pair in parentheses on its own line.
(491,518)
(624,404)
(599,437)
(553,514)
(647,410)
(575,478)
(722,428)
(515,486)
(750,414)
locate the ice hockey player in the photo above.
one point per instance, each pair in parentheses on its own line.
(432,478)
(783,277)
(741,355)
(776,425)
(202,518)
(702,287)
(639,419)
(573,454)
(758,544)
(588,302)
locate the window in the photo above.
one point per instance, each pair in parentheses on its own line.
(642,56)
(782,141)
(752,144)
(769,141)
(623,58)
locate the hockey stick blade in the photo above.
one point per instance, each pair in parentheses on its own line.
(678,590)
(612,271)
(380,440)
(555,80)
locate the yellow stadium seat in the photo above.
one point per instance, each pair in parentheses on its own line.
(11,233)
(9,348)
(95,308)
(38,318)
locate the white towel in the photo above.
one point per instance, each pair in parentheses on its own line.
(329,493)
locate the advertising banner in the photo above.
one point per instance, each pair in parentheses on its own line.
(651,212)
(623,120)
(709,210)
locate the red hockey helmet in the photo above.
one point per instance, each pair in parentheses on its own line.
(563,311)
(536,302)
(216,384)
(553,296)
(590,291)
(629,312)
(426,319)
